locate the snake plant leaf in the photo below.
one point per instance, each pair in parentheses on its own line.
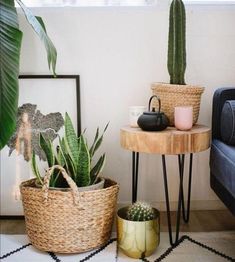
(66,158)
(60,159)
(98,142)
(83,170)
(71,141)
(47,148)
(35,168)
(62,145)
(10,45)
(97,169)
(94,142)
(39,27)
(70,167)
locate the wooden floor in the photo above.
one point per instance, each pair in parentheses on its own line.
(200,221)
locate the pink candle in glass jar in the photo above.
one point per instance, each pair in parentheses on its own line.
(183,117)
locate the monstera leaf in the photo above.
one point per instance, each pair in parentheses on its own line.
(10,39)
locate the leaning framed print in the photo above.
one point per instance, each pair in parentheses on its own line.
(43,102)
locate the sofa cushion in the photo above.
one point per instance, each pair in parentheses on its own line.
(222,164)
(228,122)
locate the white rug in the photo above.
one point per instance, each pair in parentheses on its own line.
(16,248)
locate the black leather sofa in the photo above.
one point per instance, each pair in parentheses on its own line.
(222,157)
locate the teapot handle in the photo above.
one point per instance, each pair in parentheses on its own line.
(159,102)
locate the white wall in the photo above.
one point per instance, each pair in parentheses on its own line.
(119,52)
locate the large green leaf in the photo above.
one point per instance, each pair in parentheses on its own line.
(83,170)
(10,44)
(39,27)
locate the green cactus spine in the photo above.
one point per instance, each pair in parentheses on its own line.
(140,211)
(177,43)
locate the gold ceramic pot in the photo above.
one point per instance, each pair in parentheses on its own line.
(137,239)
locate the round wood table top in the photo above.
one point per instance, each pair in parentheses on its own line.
(167,142)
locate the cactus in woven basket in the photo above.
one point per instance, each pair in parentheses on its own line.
(140,211)
(177,43)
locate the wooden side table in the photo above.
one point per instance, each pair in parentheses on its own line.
(167,142)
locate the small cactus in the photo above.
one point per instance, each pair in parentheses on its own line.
(177,43)
(140,211)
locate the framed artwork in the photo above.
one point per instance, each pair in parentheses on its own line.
(43,102)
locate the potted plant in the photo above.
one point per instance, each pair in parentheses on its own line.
(70,209)
(10,40)
(138,229)
(177,93)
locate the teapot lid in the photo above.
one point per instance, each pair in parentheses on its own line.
(153,112)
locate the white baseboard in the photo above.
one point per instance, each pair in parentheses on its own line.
(195,205)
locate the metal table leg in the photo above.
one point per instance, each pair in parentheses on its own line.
(181,159)
(186,213)
(135,169)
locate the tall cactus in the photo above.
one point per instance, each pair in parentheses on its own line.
(177,43)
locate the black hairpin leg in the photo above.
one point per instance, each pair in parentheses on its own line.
(181,159)
(135,169)
(186,213)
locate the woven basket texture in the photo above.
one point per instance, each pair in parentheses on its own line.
(56,222)
(178,95)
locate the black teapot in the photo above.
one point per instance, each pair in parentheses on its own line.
(153,121)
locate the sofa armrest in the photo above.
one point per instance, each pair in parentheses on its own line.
(220,96)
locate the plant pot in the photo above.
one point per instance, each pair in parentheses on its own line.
(68,221)
(98,185)
(138,239)
(178,95)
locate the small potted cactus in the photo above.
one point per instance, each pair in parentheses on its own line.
(138,229)
(177,93)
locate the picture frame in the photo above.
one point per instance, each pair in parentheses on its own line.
(76,78)
(43,102)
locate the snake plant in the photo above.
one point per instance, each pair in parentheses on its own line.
(74,155)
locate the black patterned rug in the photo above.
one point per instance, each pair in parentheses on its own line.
(193,247)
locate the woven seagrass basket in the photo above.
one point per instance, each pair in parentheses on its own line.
(68,221)
(178,95)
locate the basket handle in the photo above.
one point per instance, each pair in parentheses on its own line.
(69,180)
